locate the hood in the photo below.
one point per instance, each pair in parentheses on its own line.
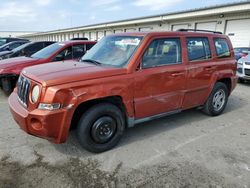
(17,61)
(69,71)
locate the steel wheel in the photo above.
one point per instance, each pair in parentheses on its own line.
(103,129)
(219,100)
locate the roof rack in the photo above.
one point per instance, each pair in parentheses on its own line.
(199,30)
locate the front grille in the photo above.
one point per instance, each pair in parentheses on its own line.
(240,70)
(23,89)
(247,72)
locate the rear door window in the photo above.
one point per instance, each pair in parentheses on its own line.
(222,48)
(14,45)
(198,49)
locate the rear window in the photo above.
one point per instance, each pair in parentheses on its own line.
(222,48)
(198,49)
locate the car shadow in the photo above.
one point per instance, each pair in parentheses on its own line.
(149,129)
(246,84)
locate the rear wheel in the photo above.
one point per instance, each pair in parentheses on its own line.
(217,100)
(101,127)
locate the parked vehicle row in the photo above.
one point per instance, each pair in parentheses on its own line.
(5,40)
(12,45)
(241,52)
(27,49)
(10,68)
(125,79)
(243,69)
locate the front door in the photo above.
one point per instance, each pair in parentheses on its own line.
(161,81)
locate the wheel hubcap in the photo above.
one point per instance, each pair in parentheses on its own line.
(219,100)
(103,129)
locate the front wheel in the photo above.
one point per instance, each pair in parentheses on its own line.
(241,80)
(7,85)
(101,127)
(217,100)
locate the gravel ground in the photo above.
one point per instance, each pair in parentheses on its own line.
(188,149)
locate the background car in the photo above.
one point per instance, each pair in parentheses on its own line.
(27,50)
(83,38)
(241,52)
(6,40)
(243,69)
(63,51)
(12,45)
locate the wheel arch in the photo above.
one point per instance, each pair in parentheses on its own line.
(227,82)
(84,106)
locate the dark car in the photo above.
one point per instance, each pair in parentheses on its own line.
(6,40)
(241,52)
(12,45)
(27,49)
(63,51)
(83,38)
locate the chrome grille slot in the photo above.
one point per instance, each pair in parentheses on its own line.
(247,72)
(23,88)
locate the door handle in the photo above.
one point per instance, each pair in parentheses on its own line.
(177,74)
(209,68)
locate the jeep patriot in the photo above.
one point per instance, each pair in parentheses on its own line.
(125,79)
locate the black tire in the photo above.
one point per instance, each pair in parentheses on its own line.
(209,107)
(91,125)
(240,80)
(7,86)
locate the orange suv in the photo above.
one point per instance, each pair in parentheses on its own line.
(125,79)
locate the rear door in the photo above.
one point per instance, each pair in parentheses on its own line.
(201,67)
(161,80)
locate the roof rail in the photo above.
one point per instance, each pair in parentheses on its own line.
(199,30)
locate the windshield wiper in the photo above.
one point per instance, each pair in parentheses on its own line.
(91,61)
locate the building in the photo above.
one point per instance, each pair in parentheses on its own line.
(14,33)
(231,19)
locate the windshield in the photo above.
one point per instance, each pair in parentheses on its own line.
(3,46)
(113,50)
(21,47)
(2,41)
(48,51)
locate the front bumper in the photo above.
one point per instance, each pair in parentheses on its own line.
(51,125)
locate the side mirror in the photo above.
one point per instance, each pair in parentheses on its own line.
(59,57)
(7,48)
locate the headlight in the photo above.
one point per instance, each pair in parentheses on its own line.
(35,94)
(1,70)
(240,62)
(54,106)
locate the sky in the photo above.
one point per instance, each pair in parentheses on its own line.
(47,15)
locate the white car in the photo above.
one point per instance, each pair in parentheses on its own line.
(243,69)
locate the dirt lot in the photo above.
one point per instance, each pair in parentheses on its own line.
(185,150)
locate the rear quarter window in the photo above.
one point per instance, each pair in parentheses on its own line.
(222,48)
